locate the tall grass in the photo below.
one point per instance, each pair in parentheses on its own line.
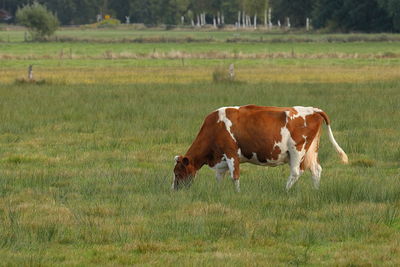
(86,173)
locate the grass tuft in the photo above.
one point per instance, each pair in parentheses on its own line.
(365,163)
(221,75)
(22,81)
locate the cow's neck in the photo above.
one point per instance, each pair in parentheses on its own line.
(199,152)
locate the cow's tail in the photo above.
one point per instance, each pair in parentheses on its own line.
(339,150)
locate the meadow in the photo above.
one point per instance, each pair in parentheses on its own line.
(86,157)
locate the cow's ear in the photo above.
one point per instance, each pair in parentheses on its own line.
(185,161)
(176,158)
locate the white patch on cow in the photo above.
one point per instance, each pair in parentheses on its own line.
(316,170)
(283,146)
(296,157)
(254,159)
(220,165)
(302,112)
(220,169)
(228,123)
(231,165)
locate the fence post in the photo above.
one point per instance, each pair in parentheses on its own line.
(30,73)
(231,72)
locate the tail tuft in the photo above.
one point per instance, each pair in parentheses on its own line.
(344,158)
(342,154)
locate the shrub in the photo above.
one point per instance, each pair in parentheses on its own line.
(221,75)
(108,23)
(40,22)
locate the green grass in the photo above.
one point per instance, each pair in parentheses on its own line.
(86,174)
(93,49)
(86,163)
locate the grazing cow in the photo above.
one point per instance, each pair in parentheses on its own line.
(268,136)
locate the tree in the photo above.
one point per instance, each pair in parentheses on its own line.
(297,10)
(392,7)
(351,15)
(38,20)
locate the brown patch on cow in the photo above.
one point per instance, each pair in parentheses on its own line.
(275,153)
(299,129)
(257,129)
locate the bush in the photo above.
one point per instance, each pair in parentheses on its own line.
(221,75)
(40,22)
(108,23)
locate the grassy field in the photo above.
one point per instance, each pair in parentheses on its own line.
(86,158)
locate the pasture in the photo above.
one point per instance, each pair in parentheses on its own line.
(86,157)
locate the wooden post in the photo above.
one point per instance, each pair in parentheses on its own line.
(231,72)
(30,73)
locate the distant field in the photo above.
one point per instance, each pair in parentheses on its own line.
(95,49)
(86,158)
(12,34)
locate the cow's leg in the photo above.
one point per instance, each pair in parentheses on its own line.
(220,174)
(316,170)
(233,166)
(295,171)
(220,169)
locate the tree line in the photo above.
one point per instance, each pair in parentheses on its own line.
(332,15)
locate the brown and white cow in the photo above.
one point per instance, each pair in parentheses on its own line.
(268,136)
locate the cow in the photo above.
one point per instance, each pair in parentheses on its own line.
(268,136)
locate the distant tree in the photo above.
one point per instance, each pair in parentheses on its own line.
(297,10)
(38,20)
(182,6)
(86,11)
(65,10)
(351,15)
(145,11)
(121,8)
(229,9)
(333,15)
(392,7)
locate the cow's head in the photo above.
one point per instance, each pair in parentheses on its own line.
(184,172)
